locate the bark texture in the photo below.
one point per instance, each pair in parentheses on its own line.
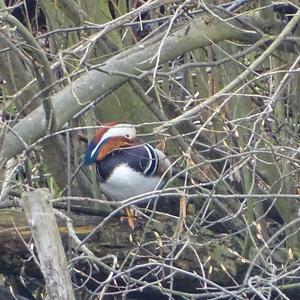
(53,262)
(118,70)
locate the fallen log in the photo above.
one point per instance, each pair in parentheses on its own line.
(162,248)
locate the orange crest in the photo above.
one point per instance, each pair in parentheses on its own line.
(101,131)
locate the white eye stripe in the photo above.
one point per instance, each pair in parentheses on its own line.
(96,148)
(121,129)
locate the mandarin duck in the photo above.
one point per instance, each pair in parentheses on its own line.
(126,167)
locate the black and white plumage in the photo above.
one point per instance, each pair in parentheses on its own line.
(124,167)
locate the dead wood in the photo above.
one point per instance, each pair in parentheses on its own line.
(149,241)
(53,263)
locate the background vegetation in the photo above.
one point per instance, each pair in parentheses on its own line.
(218,81)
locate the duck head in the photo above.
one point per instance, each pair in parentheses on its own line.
(110,136)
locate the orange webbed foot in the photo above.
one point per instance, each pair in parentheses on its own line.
(130,217)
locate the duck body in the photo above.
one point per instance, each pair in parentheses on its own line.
(129,172)
(126,168)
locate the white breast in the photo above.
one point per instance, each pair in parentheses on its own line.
(125,183)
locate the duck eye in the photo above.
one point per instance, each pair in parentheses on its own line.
(127,135)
